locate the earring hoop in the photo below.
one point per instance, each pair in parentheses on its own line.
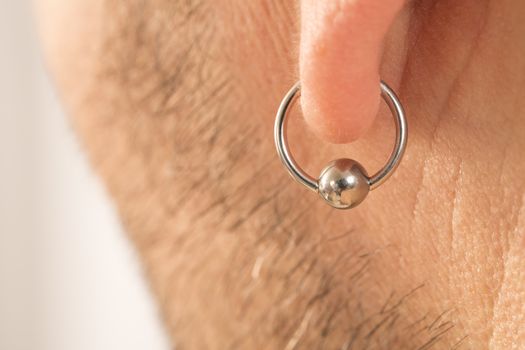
(343,183)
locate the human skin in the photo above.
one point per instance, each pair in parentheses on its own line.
(174,102)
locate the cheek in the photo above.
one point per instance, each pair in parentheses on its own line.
(177,115)
(260,40)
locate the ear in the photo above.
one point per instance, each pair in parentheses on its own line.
(340,53)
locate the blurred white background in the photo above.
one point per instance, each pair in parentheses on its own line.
(69,279)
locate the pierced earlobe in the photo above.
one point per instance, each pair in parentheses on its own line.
(343,183)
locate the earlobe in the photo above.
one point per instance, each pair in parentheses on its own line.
(340,53)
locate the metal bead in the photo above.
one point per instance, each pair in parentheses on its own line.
(343,183)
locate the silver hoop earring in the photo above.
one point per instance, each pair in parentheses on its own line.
(343,183)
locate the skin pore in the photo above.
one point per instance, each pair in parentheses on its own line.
(174,101)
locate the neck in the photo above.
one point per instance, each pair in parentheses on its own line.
(455,209)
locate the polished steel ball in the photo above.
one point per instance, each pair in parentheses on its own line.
(343,183)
